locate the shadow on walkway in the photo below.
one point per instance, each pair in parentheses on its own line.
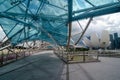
(42,66)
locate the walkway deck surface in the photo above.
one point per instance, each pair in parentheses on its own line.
(46,66)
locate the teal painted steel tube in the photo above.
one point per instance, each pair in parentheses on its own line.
(99,11)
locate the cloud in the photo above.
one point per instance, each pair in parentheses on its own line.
(2,34)
(109,22)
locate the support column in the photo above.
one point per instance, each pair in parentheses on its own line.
(2,57)
(70,5)
(69,37)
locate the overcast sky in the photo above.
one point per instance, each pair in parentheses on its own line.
(107,22)
(2,35)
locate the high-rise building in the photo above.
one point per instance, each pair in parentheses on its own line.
(112,45)
(111,37)
(116,40)
(115,35)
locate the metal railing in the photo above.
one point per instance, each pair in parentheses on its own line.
(77,56)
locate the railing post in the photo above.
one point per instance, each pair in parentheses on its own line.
(97,55)
(83,56)
(2,58)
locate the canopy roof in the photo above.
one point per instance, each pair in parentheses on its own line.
(47,20)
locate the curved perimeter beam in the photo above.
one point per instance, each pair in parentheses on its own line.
(95,11)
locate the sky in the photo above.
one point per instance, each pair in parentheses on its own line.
(2,34)
(109,22)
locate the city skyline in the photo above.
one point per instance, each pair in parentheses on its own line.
(115,41)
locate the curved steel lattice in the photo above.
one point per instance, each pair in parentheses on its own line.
(47,20)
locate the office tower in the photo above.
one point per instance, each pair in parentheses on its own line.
(112,45)
(116,40)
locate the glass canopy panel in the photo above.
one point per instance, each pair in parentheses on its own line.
(80,4)
(11,6)
(101,2)
(47,20)
(90,8)
(9,26)
(27,20)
